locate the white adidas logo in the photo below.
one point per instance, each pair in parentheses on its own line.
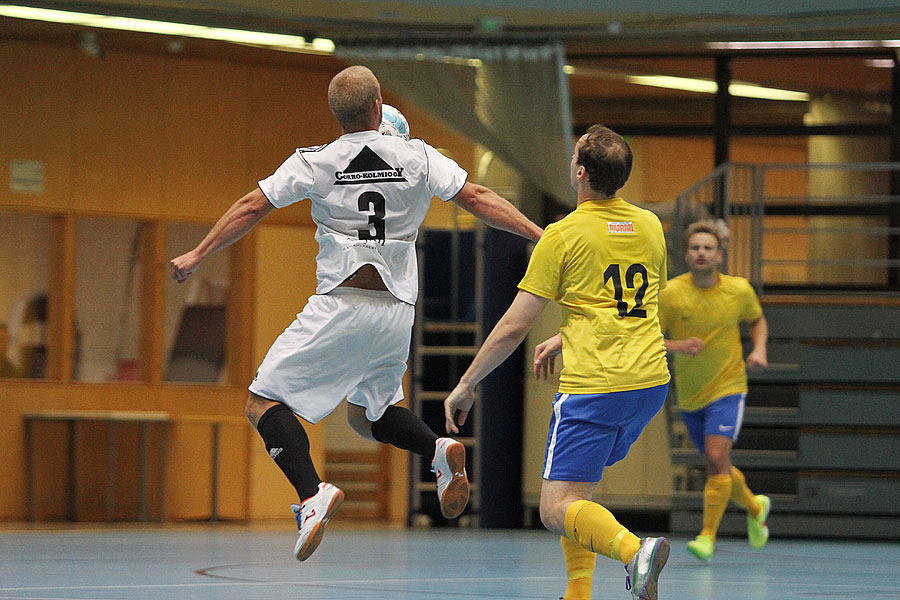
(275,452)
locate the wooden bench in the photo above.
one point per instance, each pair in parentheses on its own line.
(112,419)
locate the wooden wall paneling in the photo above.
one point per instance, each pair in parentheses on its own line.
(239,352)
(152,300)
(228,469)
(36,92)
(187,464)
(234,469)
(60,329)
(205,135)
(119,142)
(288,109)
(280,122)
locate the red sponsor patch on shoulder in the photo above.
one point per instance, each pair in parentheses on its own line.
(624,227)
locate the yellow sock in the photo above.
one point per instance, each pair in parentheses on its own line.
(741,494)
(716,494)
(596,529)
(579,569)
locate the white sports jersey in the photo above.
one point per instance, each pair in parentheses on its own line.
(369,194)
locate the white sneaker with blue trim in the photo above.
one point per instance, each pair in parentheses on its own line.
(313,515)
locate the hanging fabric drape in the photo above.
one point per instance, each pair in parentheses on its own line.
(511,99)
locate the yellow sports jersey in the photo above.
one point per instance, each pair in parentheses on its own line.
(604,263)
(712,315)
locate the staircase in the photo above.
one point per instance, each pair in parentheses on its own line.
(821,432)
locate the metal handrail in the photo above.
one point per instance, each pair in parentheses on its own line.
(736,193)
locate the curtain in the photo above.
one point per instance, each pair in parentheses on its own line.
(511,99)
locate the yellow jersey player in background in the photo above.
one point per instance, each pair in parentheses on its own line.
(700,312)
(604,264)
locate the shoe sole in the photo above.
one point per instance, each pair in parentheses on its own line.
(660,556)
(312,542)
(456,495)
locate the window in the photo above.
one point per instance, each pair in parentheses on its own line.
(841,90)
(24,289)
(642,91)
(195,312)
(107,299)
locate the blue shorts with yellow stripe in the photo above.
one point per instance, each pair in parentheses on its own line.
(591,431)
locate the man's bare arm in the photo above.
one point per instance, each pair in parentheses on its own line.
(237,221)
(759,335)
(507,334)
(496,211)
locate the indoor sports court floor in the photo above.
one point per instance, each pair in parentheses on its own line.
(228,562)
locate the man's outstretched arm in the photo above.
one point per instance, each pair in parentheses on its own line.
(507,334)
(496,211)
(232,226)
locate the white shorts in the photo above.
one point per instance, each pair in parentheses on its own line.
(348,343)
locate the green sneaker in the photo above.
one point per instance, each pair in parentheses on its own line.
(757,532)
(702,547)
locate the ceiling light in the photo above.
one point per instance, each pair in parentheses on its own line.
(87,42)
(803,44)
(706,86)
(251,38)
(880,63)
(449,60)
(750,90)
(690,84)
(703,86)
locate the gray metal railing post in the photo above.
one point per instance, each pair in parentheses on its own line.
(758,208)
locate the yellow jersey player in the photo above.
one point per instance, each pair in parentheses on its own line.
(700,312)
(604,264)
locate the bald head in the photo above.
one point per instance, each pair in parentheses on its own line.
(352,96)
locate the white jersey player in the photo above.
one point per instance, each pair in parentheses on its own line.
(369,194)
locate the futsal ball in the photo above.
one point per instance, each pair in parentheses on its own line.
(393,122)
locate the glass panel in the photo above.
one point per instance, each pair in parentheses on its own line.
(827,250)
(827,205)
(24,263)
(617,91)
(795,185)
(769,149)
(664,167)
(196,312)
(781,185)
(850,247)
(840,90)
(107,299)
(785,250)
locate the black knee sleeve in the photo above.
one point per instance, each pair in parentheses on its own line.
(402,428)
(288,445)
